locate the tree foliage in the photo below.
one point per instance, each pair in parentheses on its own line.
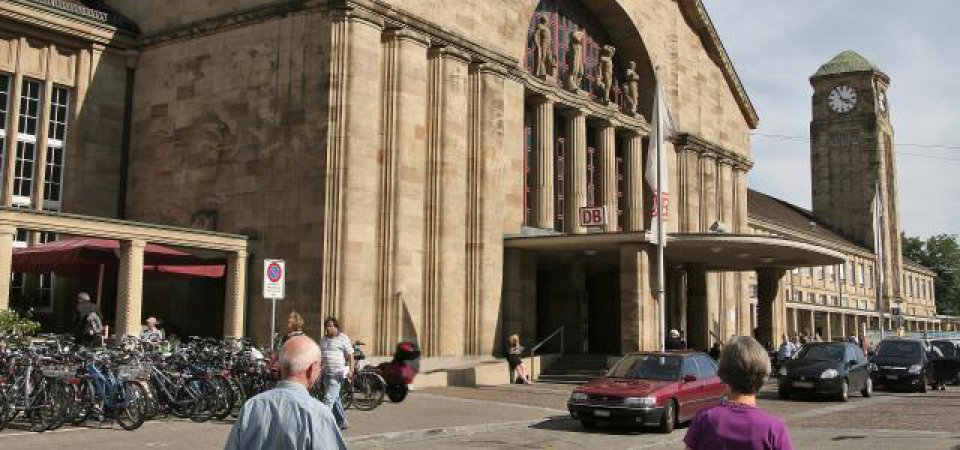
(941,253)
(13,323)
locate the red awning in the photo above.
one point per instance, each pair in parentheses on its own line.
(81,256)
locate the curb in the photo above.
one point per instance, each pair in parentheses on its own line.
(463,430)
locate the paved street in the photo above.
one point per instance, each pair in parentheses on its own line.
(534,417)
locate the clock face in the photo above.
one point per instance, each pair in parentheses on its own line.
(842,99)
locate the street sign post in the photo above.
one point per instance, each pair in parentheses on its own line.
(274,284)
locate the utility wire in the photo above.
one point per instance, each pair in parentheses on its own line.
(784,137)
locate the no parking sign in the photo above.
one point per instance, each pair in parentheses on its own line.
(274,276)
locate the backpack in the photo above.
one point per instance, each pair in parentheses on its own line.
(93,326)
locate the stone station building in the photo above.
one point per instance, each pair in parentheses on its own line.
(419,164)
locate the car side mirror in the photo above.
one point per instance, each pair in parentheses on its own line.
(689,378)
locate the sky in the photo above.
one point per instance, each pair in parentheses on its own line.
(775,47)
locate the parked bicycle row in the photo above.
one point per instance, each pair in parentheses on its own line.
(48,381)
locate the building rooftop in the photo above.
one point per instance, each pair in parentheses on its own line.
(95,10)
(846,62)
(788,215)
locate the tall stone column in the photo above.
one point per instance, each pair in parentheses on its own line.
(828,329)
(404,183)
(843,325)
(544,164)
(576,174)
(608,175)
(698,311)
(235,298)
(130,288)
(690,198)
(769,304)
(352,172)
(7,234)
(445,209)
(638,304)
(633,168)
(484,216)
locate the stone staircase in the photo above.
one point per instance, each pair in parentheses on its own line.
(574,369)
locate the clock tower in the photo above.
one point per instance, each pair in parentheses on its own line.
(852,158)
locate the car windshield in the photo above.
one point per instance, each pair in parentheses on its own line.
(946,347)
(822,352)
(899,349)
(647,367)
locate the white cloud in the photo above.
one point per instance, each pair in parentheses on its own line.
(776,46)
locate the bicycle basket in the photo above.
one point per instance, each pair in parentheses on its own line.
(133,372)
(58,371)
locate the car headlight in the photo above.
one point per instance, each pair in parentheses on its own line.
(829,373)
(783,371)
(640,401)
(915,368)
(578,397)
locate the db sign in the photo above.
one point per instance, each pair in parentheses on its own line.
(593,216)
(274,277)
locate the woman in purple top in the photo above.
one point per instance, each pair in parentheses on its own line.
(738,423)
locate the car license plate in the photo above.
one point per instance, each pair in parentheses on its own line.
(891,377)
(601,413)
(803,384)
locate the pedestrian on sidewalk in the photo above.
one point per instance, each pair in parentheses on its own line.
(287,417)
(674,342)
(737,423)
(515,359)
(336,351)
(294,327)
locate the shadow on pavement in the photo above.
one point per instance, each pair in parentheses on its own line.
(567,424)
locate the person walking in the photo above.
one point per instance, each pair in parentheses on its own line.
(715,351)
(786,350)
(151,336)
(287,417)
(515,360)
(294,326)
(87,322)
(336,350)
(738,423)
(674,342)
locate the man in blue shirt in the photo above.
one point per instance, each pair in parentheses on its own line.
(786,351)
(287,417)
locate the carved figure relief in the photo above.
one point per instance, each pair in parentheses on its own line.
(575,59)
(605,77)
(631,88)
(543,49)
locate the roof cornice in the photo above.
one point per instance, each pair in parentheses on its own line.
(704,27)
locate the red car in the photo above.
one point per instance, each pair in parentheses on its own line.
(657,389)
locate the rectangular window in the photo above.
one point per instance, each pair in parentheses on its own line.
(830,273)
(811,297)
(753,291)
(56,147)
(823,299)
(797,296)
(870,276)
(853,273)
(27,129)
(842,272)
(860,275)
(910,285)
(4,107)
(43,300)
(819,272)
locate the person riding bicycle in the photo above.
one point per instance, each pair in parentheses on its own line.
(336,352)
(151,335)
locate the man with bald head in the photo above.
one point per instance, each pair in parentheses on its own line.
(287,417)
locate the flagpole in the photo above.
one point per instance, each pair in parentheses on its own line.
(661,235)
(878,255)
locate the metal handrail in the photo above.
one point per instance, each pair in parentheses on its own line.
(544,341)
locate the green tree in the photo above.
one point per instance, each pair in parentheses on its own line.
(941,253)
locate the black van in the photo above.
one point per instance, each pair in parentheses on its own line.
(902,362)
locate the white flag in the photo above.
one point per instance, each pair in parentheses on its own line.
(877,210)
(661,129)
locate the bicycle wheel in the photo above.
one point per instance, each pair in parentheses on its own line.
(45,409)
(223,398)
(129,415)
(368,390)
(6,408)
(204,393)
(346,394)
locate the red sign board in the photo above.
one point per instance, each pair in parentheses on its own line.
(593,216)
